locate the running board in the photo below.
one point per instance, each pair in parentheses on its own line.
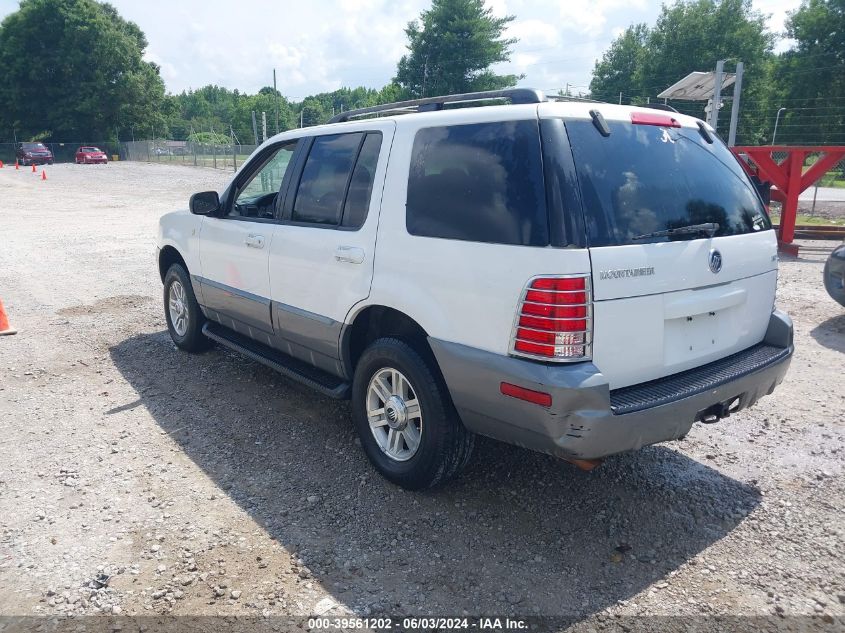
(288,366)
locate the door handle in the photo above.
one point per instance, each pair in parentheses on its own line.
(254,241)
(349,254)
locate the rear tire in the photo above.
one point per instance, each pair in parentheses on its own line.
(405,418)
(182,312)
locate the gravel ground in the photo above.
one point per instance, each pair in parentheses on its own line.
(137,479)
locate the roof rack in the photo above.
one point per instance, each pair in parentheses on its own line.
(659,106)
(572,98)
(428,104)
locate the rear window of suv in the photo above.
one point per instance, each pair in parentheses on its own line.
(645,178)
(481,182)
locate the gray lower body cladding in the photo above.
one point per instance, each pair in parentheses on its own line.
(581,422)
(304,335)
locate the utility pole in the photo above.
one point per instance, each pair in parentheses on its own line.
(276,97)
(254,128)
(620,98)
(717,93)
(263,126)
(777,120)
(735,105)
(234,149)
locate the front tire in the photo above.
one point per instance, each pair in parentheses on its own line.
(405,418)
(182,312)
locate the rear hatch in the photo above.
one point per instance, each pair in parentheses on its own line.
(667,303)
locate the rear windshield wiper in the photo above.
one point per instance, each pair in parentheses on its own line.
(709,227)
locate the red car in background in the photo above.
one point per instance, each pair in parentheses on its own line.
(86,155)
(33,153)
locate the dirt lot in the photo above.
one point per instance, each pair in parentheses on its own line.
(137,479)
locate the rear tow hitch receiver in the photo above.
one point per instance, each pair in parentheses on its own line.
(716,412)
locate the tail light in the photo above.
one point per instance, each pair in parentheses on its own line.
(554,320)
(650,118)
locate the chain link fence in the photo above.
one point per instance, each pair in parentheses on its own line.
(63,152)
(228,157)
(824,200)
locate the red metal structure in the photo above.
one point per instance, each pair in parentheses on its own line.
(788,177)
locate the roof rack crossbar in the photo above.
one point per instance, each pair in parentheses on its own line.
(659,106)
(515,95)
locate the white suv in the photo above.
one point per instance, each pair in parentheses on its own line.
(577,278)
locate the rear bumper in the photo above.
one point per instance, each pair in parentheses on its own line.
(586,419)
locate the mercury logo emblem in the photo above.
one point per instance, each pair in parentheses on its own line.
(715,261)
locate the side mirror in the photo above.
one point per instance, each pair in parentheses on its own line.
(204,203)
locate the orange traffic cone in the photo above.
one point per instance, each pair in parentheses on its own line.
(1,164)
(43,175)
(16,165)
(33,168)
(5,328)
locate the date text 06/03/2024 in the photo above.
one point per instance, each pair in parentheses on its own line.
(418,623)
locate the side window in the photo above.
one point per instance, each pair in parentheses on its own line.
(256,197)
(481,182)
(361,185)
(325,177)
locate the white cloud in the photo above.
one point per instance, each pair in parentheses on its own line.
(777,12)
(533,32)
(168,71)
(324,45)
(591,16)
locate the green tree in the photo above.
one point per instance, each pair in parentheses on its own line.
(312,112)
(73,70)
(809,80)
(690,36)
(620,63)
(451,49)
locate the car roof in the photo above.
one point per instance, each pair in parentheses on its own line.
(554,107)
(549,109)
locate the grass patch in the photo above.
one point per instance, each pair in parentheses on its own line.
(812,219)
(826,181)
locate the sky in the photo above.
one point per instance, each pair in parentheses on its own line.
(323,45)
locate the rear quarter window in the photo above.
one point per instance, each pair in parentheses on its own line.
(480,182)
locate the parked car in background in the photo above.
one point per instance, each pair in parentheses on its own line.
(33,153)
(85,155)
(834,274)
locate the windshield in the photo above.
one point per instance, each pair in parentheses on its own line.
(33,146)
(645,178)
(90,150)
